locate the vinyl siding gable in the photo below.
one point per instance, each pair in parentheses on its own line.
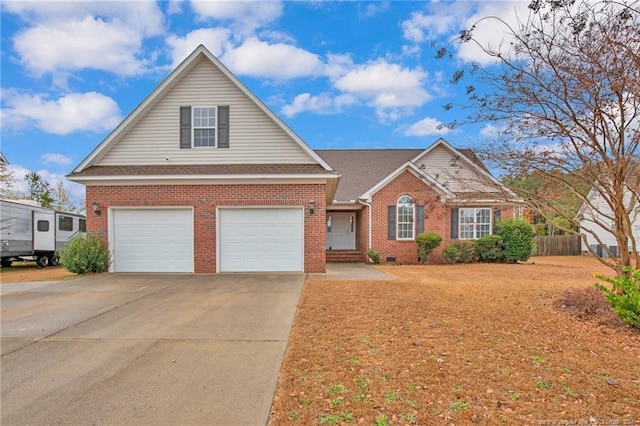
(455,174)
(254,138)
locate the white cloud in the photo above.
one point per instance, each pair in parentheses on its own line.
(423,27)
(321,104)
(20,186)
(491,130)
(74,112)
(55,158)
(67,36)
(491,32)
(428,126)
(368,10)
(216,40)
(246,16)
(390,88)
(277,61)
(441,21)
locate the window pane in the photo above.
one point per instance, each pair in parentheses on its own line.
(204,137)
(405,217)
(83,225)
(65,223)
(43,225)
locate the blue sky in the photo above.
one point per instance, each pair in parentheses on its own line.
(340,74)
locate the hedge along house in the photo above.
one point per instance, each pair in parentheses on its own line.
(388,197)
(203,177)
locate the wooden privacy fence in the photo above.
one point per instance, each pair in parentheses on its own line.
(558,245)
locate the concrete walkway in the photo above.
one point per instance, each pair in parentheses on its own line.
(351,272)
(145,349)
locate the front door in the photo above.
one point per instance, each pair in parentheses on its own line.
(341,231)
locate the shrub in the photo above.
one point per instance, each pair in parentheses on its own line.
(583,303)
(517,238)
(490,249)
(374,255)
(85,253)
(427,242)
(467,250)
(624,296)
(451,254)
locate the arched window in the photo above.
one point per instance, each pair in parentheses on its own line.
(406,213)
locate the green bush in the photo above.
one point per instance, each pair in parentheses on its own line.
(490,249)
(451,254)
(85,253)
(467,250)
(624,296)
(517,237)
(427,242)
(375,256)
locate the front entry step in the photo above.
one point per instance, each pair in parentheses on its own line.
(344,256)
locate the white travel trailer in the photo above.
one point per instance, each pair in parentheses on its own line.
(28,231)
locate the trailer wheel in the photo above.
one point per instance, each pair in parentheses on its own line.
(6,263)
(54,260)
(42,261)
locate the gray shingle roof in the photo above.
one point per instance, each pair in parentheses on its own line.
(361,169)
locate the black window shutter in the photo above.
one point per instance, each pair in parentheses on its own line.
(497,215)
(185,127)
(454,224)
(223,127)
(419,220)
(391,222)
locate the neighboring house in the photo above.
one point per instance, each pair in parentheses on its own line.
(203,177)
(597,225)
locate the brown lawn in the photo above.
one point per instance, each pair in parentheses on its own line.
(458,344)
(27,271)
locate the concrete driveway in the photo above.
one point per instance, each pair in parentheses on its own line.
(145,349)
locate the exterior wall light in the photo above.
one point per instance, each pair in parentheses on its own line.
(312,206)
(96,208)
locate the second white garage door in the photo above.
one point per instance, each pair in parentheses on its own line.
(152,240)
(260,239)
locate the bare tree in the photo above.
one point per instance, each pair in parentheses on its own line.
(566,87)
(6,181)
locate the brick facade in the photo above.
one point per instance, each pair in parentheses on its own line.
(204,199)
(437,218)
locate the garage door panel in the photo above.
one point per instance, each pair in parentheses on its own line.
(153,240)
(261,240)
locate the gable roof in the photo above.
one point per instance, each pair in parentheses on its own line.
(362,170)
(200,53)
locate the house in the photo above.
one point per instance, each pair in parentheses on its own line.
(203,177)
(597,225)
(387,197)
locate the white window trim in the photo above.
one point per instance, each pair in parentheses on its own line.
(475,224)
(413,220)
(193,127)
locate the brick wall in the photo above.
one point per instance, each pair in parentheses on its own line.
(204,199)
(437,218)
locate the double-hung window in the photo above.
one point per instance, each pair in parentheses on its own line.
(406,213)
(205,120)
(475,223)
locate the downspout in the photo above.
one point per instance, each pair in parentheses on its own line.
(369,222)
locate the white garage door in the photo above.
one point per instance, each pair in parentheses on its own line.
(260,240)
(152,240)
